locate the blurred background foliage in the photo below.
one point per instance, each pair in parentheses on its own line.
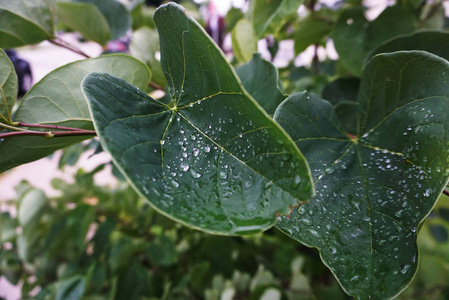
(95,242)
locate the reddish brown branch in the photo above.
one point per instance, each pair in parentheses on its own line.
(63,44)
(155,86)
(446,192)
(49,134)
(49,127)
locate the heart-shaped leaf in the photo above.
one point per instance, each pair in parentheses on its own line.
(58,100)
(211,159)
(26,22)
(373,191)
(354,36)
(8,87)
(261,79)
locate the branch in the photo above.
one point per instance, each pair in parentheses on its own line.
(446,192)
(59,42)
(49,134)
(49,126)
(155,86)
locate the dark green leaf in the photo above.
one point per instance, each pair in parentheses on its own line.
(346,112)
(269,16)
(212,159)
(58,100)
(162,252)
(8,87)
(261,79)
(25,22)
(341,89)
(373,191)
(232,17)
(134,284)
(85,18)
(354,36)
(435,42)
(71,288)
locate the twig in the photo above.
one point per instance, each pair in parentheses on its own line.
(155,86)
(59,42)
(49,126)
(49,134)
(446,192)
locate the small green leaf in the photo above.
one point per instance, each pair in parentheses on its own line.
(310,31)
(268,16)
(115,13)
(244,40)
(85,18)
(373,191)
(212,159)
(144,46)
(435,42)
(354,36)
(261,79)
(71,288)
(25,22)
(31,206)
(8,87)
(58,100)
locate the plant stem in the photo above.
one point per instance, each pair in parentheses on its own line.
(155,86)
(48,127)
(49,134)
(59,42)
(446,192)
(14,128)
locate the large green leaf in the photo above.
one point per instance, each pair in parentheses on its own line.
(354,36)
(436,42)
(58,100)
(24,22)
(261,79)
(268,16)
(8,87)
(212,159)
(86,19)
(373,191)
(116,15)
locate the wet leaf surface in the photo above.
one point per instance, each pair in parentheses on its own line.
(211,159)
(8,88)
(373,191)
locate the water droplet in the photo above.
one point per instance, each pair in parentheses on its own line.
(223,175)
(427,192)
(185,166)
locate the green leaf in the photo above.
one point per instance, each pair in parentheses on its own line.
(8,87)
(354,36)
(268,16)
(31,206)
(261,79)
(25,22)
(373,191)
(342,89)
(71,288)
(85,18)
(435,42)
(116,15)
(58,100)
(144,46)
(244,40)
(310,31)
(212,159)
(162,251)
